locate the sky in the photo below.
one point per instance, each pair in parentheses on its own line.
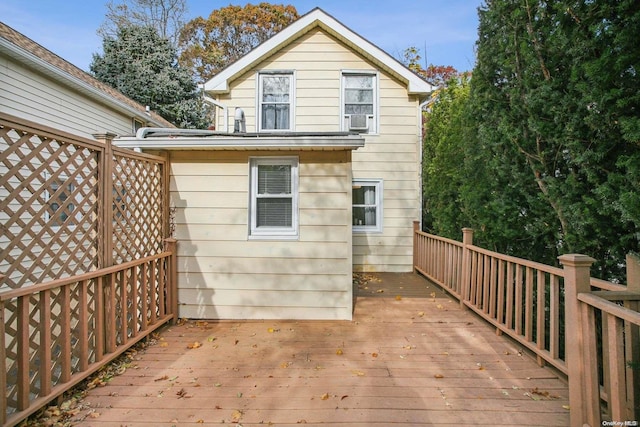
(445,29)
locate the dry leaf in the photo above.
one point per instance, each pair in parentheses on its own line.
(162,378)
(438,376)
(94,415)
(164,344)
(344,397)
(566,407)
(339,352)
(398,297)
(235,416)
(358,373)
(374,354)
(439,307)
(201,421)
(421,314)
(301,422)
(195,344)
(380,291)
(325,396)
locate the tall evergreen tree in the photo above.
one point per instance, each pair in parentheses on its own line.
(555,97)
(143,66)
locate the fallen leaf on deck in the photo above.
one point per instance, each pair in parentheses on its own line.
(380,291)
(235,416)
(182,394)
(374,354)
(200,421)
(162,378)
(344,397)
(567,407)
(195,344)
(94,415)
(438,376)
(398,297)
(164,344)
(358,373)
(301,422)
(421,314)
(439,307)
(339,352)
(325,396)
(211,339)
(285,364)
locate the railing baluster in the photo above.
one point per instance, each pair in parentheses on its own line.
(22,382)
(540,314)
(518,300)
(44,349)
(616,367)
(65,336)
(124,307)
(554,316)
(528,312)
(83,327)
(509,315)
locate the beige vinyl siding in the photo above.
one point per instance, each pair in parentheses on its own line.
(224,275)
(393,155)
(27,94)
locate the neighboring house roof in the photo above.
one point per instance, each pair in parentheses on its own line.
(317,18)
(25,50)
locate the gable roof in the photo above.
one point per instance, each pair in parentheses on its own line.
(317,18)
(30,53)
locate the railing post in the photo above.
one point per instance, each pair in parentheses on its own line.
(577,277)
(467,240)
(632,337)
(171,245)
(416,228)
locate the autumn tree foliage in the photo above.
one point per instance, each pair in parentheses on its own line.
(437,75)
(209,44)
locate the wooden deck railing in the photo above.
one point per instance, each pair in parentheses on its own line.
(562,315)
(56,334)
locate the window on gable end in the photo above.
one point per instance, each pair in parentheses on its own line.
(275,101)
(359,102)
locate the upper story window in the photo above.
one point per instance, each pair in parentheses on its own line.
(274,197)
(275,101)
(359,95)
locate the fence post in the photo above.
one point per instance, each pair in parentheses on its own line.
(467,240)
(577,278)
(416,228)
(171,245)
(632,337)
(105,177)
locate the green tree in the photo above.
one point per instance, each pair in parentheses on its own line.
(208,45)
(143,66)
(555,98)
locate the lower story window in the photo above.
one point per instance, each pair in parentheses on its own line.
(367,205)
(274,197)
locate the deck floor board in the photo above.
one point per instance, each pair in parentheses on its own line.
(410,356)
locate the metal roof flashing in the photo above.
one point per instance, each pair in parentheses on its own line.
(196,139)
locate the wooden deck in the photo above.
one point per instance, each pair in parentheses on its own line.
(411,356)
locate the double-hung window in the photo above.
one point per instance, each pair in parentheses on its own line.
(367,205)
(359,97)
(274,197)
(275,101)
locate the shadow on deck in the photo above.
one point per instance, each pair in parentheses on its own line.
(411,356)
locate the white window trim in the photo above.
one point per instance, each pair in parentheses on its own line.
(373,130)
(378,228)
(292,99)
(280,233)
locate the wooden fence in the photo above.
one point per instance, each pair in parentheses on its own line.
(586,328)
(86,269)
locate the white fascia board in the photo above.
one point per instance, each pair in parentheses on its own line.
(317,17)
(60,75)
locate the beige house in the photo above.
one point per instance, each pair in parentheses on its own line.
(38,85)
(324,180)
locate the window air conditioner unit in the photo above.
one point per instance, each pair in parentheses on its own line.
(358,122)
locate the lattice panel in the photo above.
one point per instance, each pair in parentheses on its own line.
(138,215)
(48,208)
